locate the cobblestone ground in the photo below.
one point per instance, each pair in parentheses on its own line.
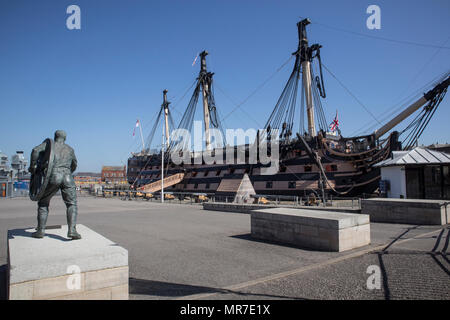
(407,272)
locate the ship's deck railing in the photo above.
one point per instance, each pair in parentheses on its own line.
(309,200)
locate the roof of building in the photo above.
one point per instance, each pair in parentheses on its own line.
(113,168)
(418,155)
(439,145)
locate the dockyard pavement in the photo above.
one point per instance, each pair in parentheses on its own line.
(180,251)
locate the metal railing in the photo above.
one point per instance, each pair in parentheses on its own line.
(9,190)
(172,197)
(198,198)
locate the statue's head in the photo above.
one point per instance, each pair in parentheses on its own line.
(60,135)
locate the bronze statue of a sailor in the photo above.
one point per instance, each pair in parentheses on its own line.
(51,166)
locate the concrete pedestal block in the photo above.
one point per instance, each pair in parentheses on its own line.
(322,230)
(247,208)
(407,211)
(55,267)
(233,207)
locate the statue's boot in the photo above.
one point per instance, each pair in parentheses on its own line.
(71,222)
(42,220)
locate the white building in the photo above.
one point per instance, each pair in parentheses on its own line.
(420,173)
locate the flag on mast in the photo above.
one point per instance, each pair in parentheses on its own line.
(195,60)
(137,125)
(334,125)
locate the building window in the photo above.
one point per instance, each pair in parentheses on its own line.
(207,186)
(292,184)
(196,186)
(308,168)
(269,185)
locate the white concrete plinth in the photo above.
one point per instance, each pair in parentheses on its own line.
(322,230)
(55,267)
(407,211)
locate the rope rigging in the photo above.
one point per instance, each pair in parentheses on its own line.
(351,94)
(282,116)
(156,124)
(258,88)
(250,117)
(317,93)
(186,121)
(213,112)
(420,122)
(153,130)
(205,82)
(402,104)
(383,38)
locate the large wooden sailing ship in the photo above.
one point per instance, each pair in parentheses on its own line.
(313,161)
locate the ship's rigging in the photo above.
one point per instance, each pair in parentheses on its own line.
(211,119)
(415,129)
(313,144)
(168,120)
(283,115)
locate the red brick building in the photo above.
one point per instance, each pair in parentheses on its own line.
(114,174)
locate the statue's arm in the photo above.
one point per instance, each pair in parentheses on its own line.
(74,163)
(35,155)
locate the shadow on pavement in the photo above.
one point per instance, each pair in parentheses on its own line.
(248,236)
(167,289)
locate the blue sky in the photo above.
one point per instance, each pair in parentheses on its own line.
(95,82)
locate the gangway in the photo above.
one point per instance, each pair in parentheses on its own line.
(168,181)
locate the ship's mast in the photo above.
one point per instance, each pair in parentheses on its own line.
(165,131)
(282,117)
(204,83)
(205,90)
(165,106)
(305,61)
